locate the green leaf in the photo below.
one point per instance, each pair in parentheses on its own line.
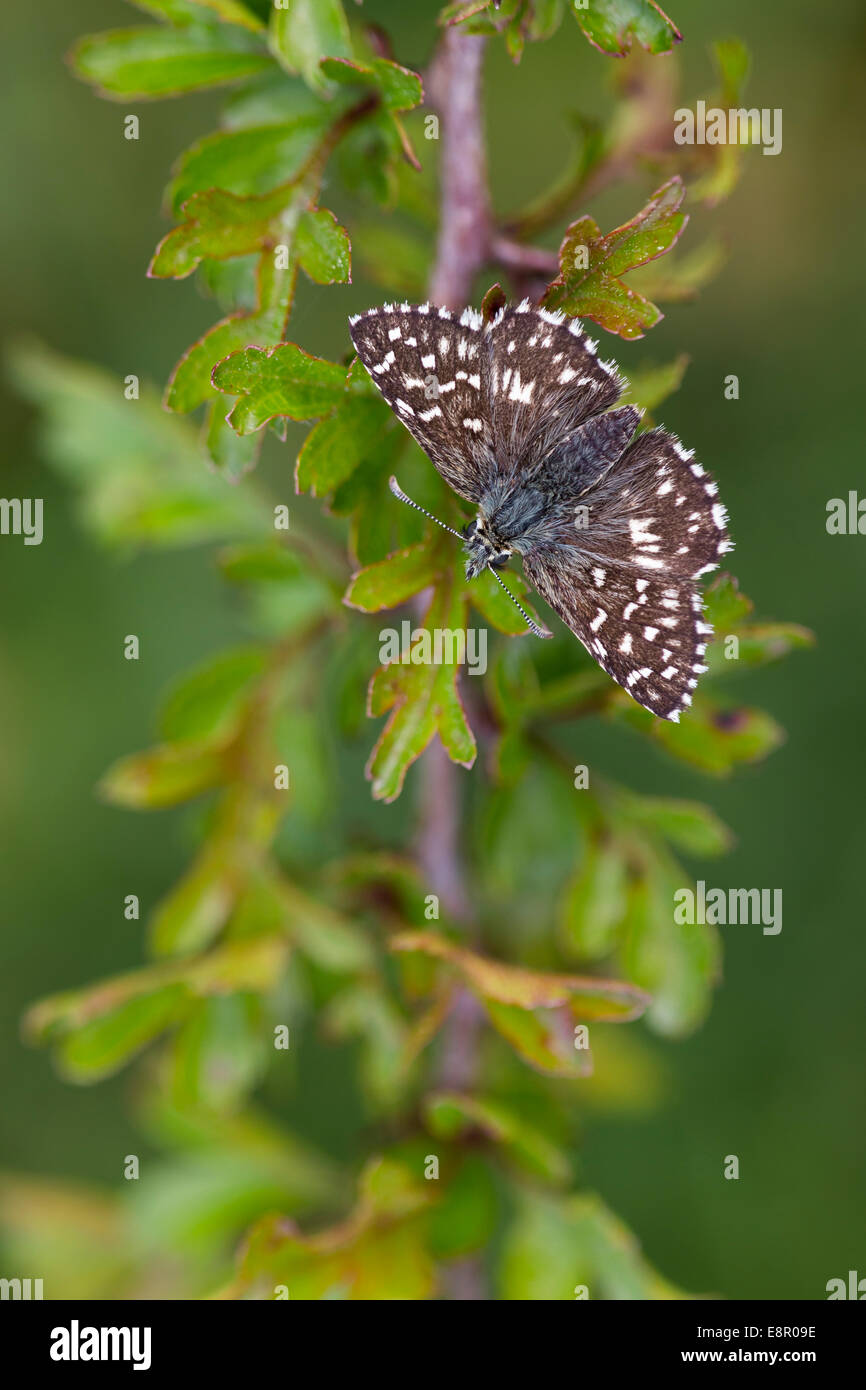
(281,380)
(323,248)
(365,1010)
(557,1244)
(218,224)
(400,88)
(182,12)
(451,1115)
(261,564)
(678,279)
(648,386)
(136,471)
(378,1253)
(105,1044)
(587,997)
(421,698)
(725,605)
(688,825)
(305,30)
(592,264)
(677,964)
(249,161)
(611,25)
(219,1053)
(393,581)
(594,904)
(335,942)
(535,1011)
(161,62)
(758,644)
(164,776)
(196,909)
(339,444)
(494,605)
(208,704)
(711,737)
(241,965)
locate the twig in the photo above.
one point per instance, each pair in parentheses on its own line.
(454,87)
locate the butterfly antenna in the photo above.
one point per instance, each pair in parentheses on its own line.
(398,492)
(533,627)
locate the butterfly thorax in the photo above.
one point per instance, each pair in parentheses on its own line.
(485,547)
(511,517)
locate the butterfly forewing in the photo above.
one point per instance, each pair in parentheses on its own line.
(545,379)
(431,369)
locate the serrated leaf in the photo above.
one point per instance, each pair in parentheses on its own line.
(249,161)
(218,224)
(160,62)
(399,87)
(394,580)
(323,248)
(339,444)
(611,25)
(596,290)
(678,279)
(421,699)
(494,605)
(303,31)
(281,380)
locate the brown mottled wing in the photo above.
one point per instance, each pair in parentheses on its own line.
(623,577)
(545,379)
(431,369)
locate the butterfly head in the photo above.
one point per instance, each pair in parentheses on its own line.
(483,549)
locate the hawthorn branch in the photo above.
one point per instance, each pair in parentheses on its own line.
(465,232)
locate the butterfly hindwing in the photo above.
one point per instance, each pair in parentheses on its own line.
(647,633)
(622,573)
(431,369)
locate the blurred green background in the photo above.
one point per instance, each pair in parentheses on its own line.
(775,1075)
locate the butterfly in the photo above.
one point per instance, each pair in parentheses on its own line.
(614,527)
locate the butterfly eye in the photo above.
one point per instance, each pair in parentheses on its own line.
(469,529)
